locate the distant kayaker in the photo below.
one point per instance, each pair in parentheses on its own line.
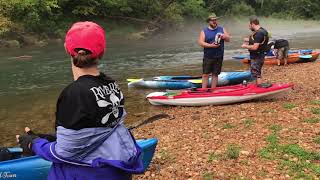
(257,44)
(212,40)
(92,141)
(281,50)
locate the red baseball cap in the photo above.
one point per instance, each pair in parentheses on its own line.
(86,35)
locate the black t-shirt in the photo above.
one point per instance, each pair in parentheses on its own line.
(261,37)
(279,43)
(90,101)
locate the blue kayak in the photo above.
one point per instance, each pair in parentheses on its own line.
(184,82)
(36,168)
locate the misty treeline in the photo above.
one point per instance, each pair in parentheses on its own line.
(52,16)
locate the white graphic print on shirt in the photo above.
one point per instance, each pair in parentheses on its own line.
(108,96)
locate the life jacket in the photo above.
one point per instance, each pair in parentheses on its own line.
(263,46)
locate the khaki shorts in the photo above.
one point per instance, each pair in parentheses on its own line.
(282,53)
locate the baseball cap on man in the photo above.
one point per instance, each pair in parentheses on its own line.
(86,35)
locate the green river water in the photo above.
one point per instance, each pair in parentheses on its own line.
(30,87)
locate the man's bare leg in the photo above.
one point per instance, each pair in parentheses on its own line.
(214,81)
(285,61)
(258,81)
(205,78)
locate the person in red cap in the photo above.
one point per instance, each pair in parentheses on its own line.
(91,139)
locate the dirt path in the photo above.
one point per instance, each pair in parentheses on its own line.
(270,139)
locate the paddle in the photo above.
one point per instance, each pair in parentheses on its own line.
(305,56)
(240,57)
(133,80)
(196,81)
(149,120)
(15,150)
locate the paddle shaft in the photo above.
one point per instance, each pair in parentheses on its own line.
(149,120)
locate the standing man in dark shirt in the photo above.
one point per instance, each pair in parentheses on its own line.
(258,45)
(212,40)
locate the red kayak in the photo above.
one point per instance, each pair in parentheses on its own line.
(218,96)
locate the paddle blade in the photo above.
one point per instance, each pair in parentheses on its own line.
(305,56)
(133,80)
(196,81)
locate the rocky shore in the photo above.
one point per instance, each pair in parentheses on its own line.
(27,40)
(267,139)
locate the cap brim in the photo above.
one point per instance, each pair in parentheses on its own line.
(213,18)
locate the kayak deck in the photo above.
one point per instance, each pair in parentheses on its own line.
(36,168)
(184,82)
(219,96)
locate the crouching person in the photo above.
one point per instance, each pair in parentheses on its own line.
(281,47)
(91,139)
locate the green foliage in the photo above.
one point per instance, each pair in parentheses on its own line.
(166,155)
(315,110)
(275,128)
(173,15)
(305,9)
(317,140)
(315,102)
(312,120)
(228,126)
(5,25)
(233,152)
(50,16)
(263,173)
(208,176)
(36,15)
(266,153)
(292,157)
(241,9)
(194,8)
(272,139)
(289,105)
(248,122)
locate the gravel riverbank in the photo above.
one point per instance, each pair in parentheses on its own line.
(268,139)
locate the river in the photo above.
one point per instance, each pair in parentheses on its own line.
(29,87)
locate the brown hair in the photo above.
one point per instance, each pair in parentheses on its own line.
(83,59)
(254,20)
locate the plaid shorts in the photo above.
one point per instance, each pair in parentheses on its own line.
(256,66)
(282,52)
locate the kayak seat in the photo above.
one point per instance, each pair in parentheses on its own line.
(265,85)
(5,154)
